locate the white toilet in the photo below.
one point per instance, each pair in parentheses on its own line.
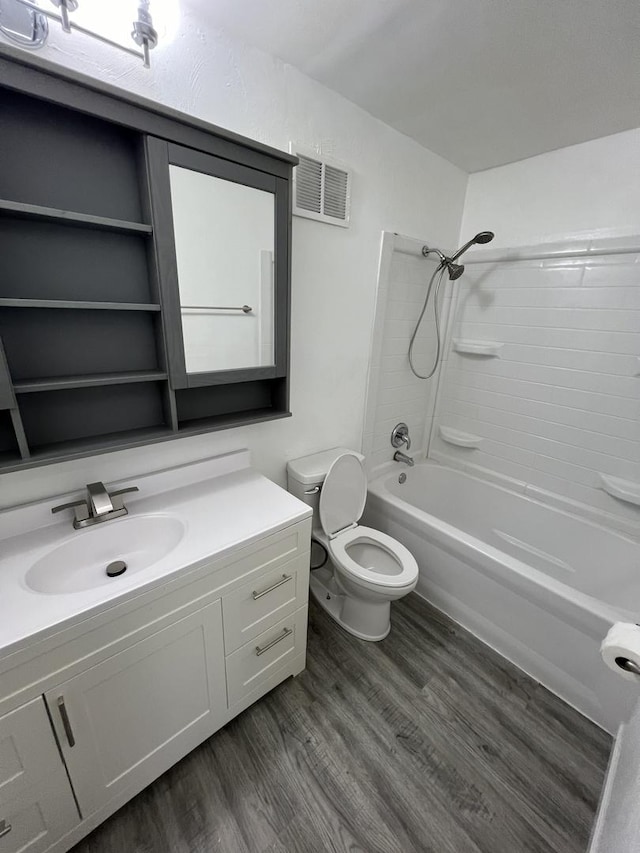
(366,569)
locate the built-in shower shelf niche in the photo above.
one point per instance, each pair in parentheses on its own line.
(459,438)
(487,349)
(623,490)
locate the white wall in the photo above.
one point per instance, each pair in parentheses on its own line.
(398,186)
(588,190)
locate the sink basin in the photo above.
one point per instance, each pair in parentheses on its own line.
(81,562)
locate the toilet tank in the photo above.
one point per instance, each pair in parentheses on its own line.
(305,475)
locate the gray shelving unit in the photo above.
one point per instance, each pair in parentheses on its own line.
(87,337)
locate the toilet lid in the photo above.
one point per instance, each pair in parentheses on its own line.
(343,494)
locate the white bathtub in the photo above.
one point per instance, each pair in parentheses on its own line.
(540,585)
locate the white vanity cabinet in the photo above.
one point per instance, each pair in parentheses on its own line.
(125,720)
(36,800)
(109,704)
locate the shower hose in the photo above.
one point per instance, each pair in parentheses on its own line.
(439,274)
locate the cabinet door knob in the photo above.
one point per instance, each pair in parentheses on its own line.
(5,828)
(66,722)
(257,595)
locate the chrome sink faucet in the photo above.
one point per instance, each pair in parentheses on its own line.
(98,499)
(99,505)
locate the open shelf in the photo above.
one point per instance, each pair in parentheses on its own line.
(61,383)
(80,447)
(227,421)
(459,438)
(624,490)
(18,209)
(72,303)
(45,343)
(490,349)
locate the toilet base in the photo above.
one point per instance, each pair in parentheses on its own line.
(364,619)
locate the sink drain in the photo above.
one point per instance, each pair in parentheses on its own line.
(116,568)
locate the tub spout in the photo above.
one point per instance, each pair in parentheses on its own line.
(399,456)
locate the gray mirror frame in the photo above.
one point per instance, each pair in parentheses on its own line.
(160,155)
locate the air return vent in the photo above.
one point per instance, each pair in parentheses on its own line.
(322,190)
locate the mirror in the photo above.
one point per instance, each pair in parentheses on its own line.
(224,237)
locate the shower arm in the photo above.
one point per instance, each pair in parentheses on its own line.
(426,251)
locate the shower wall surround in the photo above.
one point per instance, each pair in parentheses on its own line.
(394,394)
(553,404)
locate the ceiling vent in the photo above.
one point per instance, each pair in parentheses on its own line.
(321,190)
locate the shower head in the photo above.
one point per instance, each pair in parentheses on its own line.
(454,270)
(482,237)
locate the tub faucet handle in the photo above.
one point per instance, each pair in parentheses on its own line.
(400,436)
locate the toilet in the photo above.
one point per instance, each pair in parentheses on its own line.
(364,570)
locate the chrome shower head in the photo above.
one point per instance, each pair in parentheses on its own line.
(454,270)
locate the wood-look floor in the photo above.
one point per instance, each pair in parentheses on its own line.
(427,741)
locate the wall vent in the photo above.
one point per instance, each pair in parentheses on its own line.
(321,189)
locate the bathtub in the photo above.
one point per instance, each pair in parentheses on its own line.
(539,585)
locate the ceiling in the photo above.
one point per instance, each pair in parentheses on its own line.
(481,82)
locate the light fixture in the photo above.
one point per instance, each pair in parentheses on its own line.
(25,23)
(143,33)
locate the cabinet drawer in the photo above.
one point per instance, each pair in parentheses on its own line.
(252,608)
(255,662)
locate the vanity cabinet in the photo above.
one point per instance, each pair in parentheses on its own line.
(105,708)
(122,722)
(36,801)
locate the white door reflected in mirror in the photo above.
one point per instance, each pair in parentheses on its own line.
(224,234)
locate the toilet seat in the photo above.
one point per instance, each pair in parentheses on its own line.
(342,500)
(404,559)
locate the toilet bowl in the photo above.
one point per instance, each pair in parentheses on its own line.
(366,569)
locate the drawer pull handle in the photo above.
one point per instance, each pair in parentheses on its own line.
(66,722)
(260,650)
(5,828)
(283,579)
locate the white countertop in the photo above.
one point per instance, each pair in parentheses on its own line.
(222,502)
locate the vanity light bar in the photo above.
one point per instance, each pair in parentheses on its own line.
(143,32)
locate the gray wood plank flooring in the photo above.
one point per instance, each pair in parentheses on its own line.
(428,741)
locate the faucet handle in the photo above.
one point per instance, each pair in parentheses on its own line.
(126,491)
(400,436)
(80,511)
(116,496)
(71,505)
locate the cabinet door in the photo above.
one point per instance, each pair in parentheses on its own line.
(36,802)
(128,719)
